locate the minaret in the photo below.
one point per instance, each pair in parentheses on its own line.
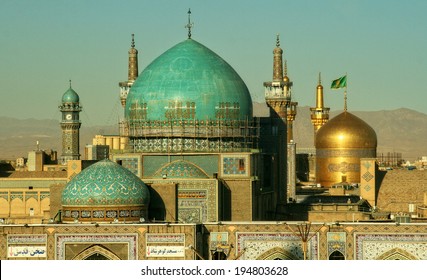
(277,94)
(278,98)
(70,125)
(132,73)
(320,113)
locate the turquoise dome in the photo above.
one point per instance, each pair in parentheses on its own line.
(105,183)
(70,96)
(180,169)
(188,81)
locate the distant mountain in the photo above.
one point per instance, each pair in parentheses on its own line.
(401,131)
(18,137)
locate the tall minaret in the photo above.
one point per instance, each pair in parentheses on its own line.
(320,113)
(70,125)
(278,98)
(277,93)
(132,73)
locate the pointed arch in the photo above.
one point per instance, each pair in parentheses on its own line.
(96,249)
(277,253)
(397,254)
(180,169)
(336,255)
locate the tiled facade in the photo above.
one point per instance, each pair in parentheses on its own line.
(244,241)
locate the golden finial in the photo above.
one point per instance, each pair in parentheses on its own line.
(133,41)
(277,41)
(320,79)
(189,24)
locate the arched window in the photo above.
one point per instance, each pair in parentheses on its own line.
(219,256)
(96,256)
(336,255)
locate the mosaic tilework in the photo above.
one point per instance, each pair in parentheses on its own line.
(180,169)
(105,183)
(165,238)
(235,165)
(26,238)
(372,246)
(218,239)
(131,163)
(197,201)
(336,242)
(258,243)
(62,239)
(167,145)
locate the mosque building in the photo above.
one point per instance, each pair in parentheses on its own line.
(194,175)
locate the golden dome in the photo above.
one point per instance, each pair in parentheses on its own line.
(346,131)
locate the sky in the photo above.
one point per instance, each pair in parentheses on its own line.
(380,45)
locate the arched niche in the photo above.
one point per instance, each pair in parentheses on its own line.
(96,252)
(397,254)
(336,255)
(277,253)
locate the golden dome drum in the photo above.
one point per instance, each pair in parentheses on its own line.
(340,144)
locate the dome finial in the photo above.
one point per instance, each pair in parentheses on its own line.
(320,79)
(277,41)
(189,24)
(70,83)
(133,41)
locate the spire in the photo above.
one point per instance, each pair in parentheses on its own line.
(133,61)
(320,113)
(277,62)
(70,83)
(189,24)
(319,93)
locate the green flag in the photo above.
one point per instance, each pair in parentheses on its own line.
(339,83)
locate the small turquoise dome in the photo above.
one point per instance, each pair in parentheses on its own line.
(70,96)
(180,169)
(188,81)
(105,183)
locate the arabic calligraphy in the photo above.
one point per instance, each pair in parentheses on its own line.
(27,251)
(165,251)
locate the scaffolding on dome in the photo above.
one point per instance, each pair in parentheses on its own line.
(191,135)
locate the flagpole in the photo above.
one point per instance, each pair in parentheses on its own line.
(345,93)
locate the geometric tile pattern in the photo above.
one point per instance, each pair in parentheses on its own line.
(256,243)
(367,176)
(180,169)
(61,240)
(371,246)
(236,165)
(105,183)
(336,242)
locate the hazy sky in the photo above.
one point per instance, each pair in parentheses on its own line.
(381,45)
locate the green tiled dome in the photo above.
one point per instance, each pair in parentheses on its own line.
(70,96)
(180,169)
(189,81)
(105,183)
